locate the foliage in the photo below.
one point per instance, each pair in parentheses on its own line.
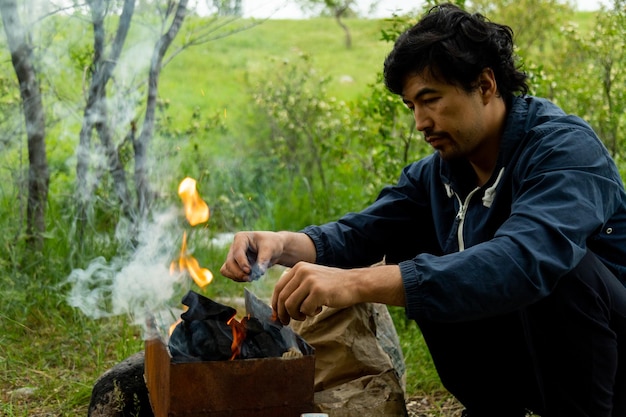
(536,23)
(308,133)
(228,7)
(392,142)
(317,144)
(593,75)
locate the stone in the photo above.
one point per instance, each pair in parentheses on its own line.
(121,391)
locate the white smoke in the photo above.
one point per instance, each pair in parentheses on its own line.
(140,286)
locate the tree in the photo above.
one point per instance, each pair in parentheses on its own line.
(18,39)
(338,9)
(133,132)
(86,92)
(96,111)
(228,7)
(177,15)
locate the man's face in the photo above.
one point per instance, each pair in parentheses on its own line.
(454,122)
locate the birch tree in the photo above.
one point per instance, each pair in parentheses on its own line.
(139,131)
(339,9)
(96,114)
(18,38)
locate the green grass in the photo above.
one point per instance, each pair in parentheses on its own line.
(217,76)
(50,358)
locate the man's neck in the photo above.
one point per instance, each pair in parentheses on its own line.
(484,159)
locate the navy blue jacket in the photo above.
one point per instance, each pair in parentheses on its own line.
(466,252)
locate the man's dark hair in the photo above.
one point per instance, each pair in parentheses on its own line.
(455,46)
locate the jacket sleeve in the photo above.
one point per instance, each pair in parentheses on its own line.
(564,189)
(396,226)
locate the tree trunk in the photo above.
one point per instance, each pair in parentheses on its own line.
(96,114)
(140,145)
(340,11)
(34,118)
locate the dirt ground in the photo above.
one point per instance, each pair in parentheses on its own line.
(433,406)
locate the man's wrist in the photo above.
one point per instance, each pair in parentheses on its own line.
(381,284)
(296,247)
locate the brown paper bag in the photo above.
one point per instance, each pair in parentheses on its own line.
(359,369)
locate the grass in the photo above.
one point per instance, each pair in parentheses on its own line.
(203,77)
(50,358)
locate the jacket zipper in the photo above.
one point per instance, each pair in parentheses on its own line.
(488,198)
(460,216)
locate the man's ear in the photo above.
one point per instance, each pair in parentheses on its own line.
(487,85)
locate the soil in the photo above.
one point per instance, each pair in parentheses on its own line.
(433,406)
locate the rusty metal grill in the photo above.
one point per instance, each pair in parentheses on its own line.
(269,387)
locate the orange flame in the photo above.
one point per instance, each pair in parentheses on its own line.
(239,334)
(196,210)
(201,276)
(173,326)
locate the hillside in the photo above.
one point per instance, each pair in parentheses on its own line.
(216,76)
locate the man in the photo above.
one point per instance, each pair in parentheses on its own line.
(507,246)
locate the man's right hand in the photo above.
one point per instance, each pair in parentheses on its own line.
(265,249)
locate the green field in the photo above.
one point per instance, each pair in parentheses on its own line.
(217,75)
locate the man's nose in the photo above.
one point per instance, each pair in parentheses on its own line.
(422,120)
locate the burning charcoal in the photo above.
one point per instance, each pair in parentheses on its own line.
(206,332)
(211,340)
(261,346)
(203,333)
(201,340)
(253,326)
(259,343)
(258,309)
(179,345)
(202,308)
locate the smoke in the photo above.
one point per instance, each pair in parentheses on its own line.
(140,285)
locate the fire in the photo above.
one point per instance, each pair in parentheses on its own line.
(173,326)
(239,334)
(196,210)
(201,276)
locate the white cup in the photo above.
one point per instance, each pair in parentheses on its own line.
(314,415)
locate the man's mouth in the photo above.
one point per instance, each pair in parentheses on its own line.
(435,140)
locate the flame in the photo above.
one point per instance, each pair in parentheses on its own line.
(173,326)
(239,334)
(201,276)
(196,210)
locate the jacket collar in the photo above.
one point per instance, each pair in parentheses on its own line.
(459,177)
